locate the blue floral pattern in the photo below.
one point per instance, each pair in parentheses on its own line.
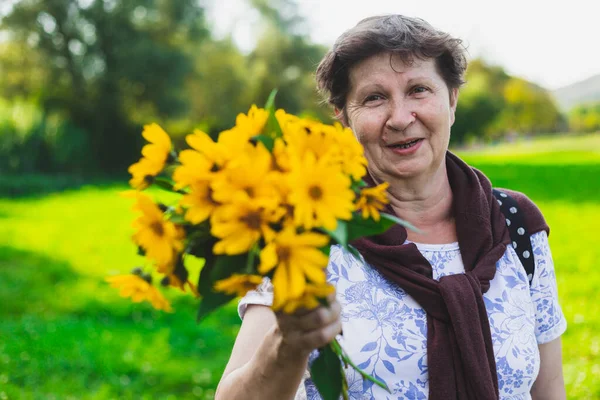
(385,329)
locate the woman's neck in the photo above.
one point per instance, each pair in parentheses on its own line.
(425,202)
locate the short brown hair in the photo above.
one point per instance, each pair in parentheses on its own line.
(405,36)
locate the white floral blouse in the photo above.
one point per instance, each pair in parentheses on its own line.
(385,329)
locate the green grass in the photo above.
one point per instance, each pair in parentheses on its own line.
(65,334)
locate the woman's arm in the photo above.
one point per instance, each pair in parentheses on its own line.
(271,351)
(550,384)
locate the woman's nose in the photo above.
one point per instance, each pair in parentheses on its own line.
(400,117)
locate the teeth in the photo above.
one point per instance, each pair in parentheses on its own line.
(406,145)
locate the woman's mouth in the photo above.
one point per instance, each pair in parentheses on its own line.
(405,145)
(406,148)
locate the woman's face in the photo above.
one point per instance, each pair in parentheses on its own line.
(401,114)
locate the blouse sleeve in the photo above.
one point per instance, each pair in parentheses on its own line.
(263,295)
(550,323)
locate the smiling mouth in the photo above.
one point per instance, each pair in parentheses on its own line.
(405,145)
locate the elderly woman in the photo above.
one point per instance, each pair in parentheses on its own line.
(446,313)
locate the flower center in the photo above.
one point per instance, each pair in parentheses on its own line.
(157,228)
(253,220)
(315,192)
(250,191)
(283,254)
(249,285)
(209,197)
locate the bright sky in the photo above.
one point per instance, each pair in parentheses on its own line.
(551,42)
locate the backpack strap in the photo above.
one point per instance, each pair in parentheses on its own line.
(521,239)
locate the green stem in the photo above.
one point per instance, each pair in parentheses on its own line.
(340,352)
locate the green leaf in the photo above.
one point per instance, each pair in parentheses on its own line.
(164,183)
(217,268)
(212,302)
(359,227)
(340,234)
(326,250)
(204,281)
(400,221)
(199,241)
(272,128)
(270,104)
(177,219)
(354,252)
(268,141)
(251,260)
(326,373)
(357,185)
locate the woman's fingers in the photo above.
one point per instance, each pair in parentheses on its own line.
(321,337)
(306,331)
(314,319)
(306,341)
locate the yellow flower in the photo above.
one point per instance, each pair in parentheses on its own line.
(241,223)
(160,144)
(281,155)
(229,146)
(303,135)
(194,167)
(350,151)
(253,123)
(202,142)
(333,141)
(232,142)
(295,257)
(155,156)
(142,173)
(250,173)
(173,280)
(320,193)
(372,200)
(290,124)
(161,239)
(238,284)
(199,202)
(310,298)
(139,289)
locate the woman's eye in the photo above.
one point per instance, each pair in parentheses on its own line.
(373,97)
(419,89)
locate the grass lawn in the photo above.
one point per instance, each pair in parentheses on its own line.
(65,334)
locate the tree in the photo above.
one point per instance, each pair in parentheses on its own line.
(585,118)
(528,108)
(285,59)
(108,64)
(480,102)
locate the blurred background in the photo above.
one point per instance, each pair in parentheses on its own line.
(79,78)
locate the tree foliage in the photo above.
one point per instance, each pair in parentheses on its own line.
(585,118)
(103,62)
(493,104)
(96,70)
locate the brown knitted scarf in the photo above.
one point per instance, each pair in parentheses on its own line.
(459,344)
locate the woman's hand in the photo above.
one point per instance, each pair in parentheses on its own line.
(271,351)
(307,330)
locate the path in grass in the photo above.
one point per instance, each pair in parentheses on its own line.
(64,333)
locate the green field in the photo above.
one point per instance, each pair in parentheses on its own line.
(65,334)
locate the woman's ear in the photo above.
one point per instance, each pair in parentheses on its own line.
(453,104)
(341,116)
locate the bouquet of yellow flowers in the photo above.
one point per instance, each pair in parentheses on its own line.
(267,199)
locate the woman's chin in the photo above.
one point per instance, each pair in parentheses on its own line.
(408,169)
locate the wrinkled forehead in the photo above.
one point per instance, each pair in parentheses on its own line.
(383,67)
